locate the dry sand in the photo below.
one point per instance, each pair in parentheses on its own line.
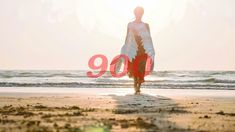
(116,109)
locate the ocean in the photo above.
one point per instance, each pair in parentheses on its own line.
(224,80)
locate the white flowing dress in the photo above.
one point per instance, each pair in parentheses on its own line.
(130,47)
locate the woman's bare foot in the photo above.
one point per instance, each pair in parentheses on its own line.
(137,93)
(137,86)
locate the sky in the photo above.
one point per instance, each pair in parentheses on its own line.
(65,34)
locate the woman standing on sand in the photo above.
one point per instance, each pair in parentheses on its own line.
(138,48)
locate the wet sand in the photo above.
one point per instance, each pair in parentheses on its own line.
(116,109)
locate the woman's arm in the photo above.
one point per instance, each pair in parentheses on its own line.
(127,33)
(147,25)
(153,51)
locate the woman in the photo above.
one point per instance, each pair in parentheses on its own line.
(138,48)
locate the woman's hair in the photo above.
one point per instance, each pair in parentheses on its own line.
(139,10)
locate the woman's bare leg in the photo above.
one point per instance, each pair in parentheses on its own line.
(136,85)
(139,85)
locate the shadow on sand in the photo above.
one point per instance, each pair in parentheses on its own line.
(148,113)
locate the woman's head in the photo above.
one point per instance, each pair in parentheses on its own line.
(139,12)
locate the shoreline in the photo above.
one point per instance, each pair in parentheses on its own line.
(34,91)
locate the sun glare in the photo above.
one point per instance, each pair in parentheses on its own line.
(111,16)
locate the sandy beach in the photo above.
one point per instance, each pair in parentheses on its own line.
(116,109)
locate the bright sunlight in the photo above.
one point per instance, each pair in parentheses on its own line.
(111,16)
